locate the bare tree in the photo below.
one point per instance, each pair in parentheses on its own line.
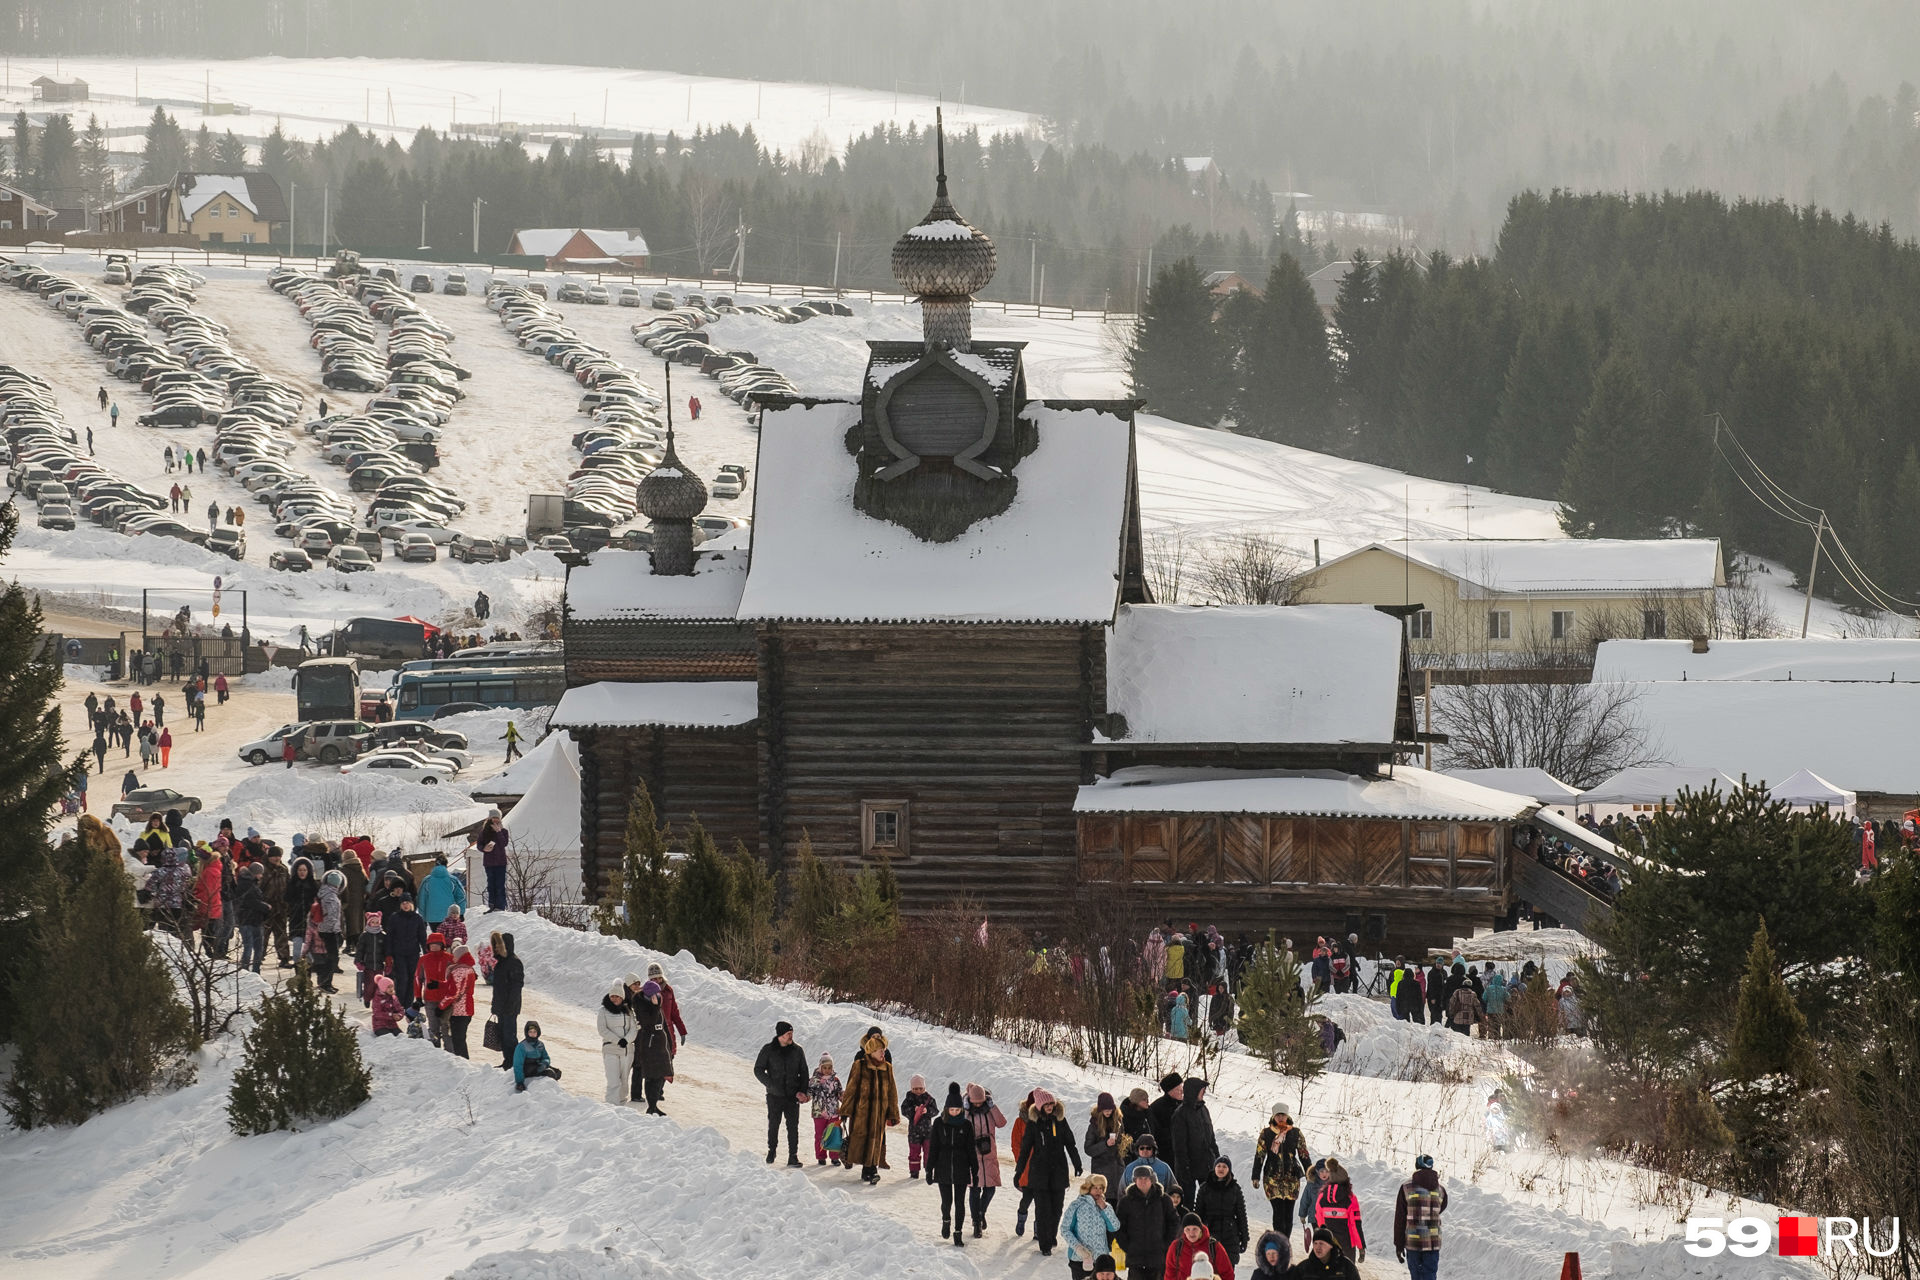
(1579,733)
(339,811)
(1166,561)
(1741,611)
(1251,569)
(712,219)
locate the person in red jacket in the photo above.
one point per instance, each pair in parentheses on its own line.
(166,747)
(207,896)
(362,848)
(669,1009)
(457,1003)
(430,984)
(387,1009)
(1336,1208)
(1194,1241)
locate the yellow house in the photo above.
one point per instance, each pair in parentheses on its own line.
(226,208)
(1493,600)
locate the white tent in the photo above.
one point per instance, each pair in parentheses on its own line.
(1808,789)
(1654,784)
(1538,783)
(514,780)
(545,825)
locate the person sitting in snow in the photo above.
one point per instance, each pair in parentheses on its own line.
(530,1060)
(387,1009)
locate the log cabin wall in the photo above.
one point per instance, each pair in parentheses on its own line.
(1418,882)
(706,774)
(973,727)
(650,650)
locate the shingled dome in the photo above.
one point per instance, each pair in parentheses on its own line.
(944,260)
(671,492)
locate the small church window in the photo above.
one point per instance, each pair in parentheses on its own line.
(883,827)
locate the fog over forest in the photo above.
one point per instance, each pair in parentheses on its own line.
(1432,112)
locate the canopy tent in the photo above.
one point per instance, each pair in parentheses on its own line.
(513,781)
(1807,788)
(1652,784)
(544,828)
(431,629)
(1538,783)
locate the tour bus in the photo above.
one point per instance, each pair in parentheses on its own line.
(420,695)
(327,689)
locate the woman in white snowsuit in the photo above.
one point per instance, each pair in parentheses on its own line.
(616,1041)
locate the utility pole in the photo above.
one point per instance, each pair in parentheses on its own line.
(836,262)
(326,194)
(1806,614)
(1040,299)
(477,202)
(293,207)
(1033,256)
(740,249)
(423,224)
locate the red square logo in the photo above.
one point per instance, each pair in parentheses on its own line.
(1799,1237)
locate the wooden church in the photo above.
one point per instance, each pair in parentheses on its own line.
(939,648)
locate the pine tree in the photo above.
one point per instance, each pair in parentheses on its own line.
(165,152)
(204,158)
(1356,315)
(56,171)
(1276,1019)
(1768,1065)
(1548,384)
(1179,362)
(88,943)
(276,157)
(703,899)
(301,1063)
(230,153)
(96,170)
(637,901)
(1286,370)
(1612,473)
(23,152)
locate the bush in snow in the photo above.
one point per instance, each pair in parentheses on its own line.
(98,1019)
(302,1062)
(1274,1022)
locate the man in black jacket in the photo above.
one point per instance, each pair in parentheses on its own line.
(1324,1261)
(1194,1146)
(1147,1224)
(406,939)
(782,1071)
(509,981)
(1160,1112)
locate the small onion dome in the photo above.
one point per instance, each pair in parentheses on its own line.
(943,255)
(671,492)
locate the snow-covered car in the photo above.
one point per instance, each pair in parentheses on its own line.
(271,746)
(425,752)
(392,764)
(415,545)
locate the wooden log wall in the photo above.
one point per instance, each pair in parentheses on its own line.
(639,651)
(691,773)
(973,726)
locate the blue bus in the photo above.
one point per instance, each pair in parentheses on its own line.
(420,695)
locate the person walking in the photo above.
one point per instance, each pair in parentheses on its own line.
(166,456)
(653,1059)
(513,742)
(439,891)
(781,1069)
(669,1007)
(287,750)
(220,688)
(1088,1225)
(1105,1141)
(456,1005)
(332,926)
(165,743)
(824,1092)
(89,442)
(100,753)
(406,937)
(1194,1144)
(953,1163)
(1416,1220)
(491,840)
(1272,1255)
(693,407)
(1160,1113)
(1193,1247)
(870,1106)
(1324,1260)
(103,399)
(509,987)
(987,1121)
(1148,1225)
(113,414)
(1280,1158)
(1337,1209)
(430,985)
(1046,1148)
(530,1060)
(1223,1207)
(918,1109)
(159,699)
(250,911)
(1464,1009)
(616,1025)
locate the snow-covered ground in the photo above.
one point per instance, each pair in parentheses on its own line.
(311,98)
(447,1168)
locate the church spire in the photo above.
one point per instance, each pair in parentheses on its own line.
(943,260)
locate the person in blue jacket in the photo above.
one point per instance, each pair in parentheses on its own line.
(530,1060)
(438,891)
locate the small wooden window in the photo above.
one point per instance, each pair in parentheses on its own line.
(1499,624)
(1420,625)
(1563,624)
(883,828)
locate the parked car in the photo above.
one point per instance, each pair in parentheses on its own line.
(369,541)
(392,765)
(349,559)
(455,284)
(663,301)
(415,545)
(597,295)
(630,296)
(231,543)
(271,746)
(554,542)
(571,291)
(473,550)
(56,515)
(422,283)
(400,731)
(331,741)
(149,801)
(290,560)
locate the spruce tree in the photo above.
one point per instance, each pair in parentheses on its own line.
(204,157)
(165,151)
(56,168)
(1276,1020)
(1179,362)
(1286,370)
(637,901)
(276,156)
(1613,474)
(1548,383)
(97,1021)
(301,1063)
(96,170)
(1768,1065)
(23,151)
(703,898)
(230,153)
(1356,317)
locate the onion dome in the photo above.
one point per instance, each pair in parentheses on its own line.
(670,491)
(943,255)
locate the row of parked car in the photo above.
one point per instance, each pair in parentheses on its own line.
(410,749)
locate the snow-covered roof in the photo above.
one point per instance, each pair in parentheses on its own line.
(548,241)
(1052,556)
(1655,783)
(1881,661)
(1809,788)
(1318,673)
(940,229)
(1538,783)
(671,704)
(133,197)
(27,202)
(620,586)
(198,190)
(1564,566)
(1853,735)
(1408,793)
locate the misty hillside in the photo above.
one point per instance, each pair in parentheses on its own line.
(1434,113)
